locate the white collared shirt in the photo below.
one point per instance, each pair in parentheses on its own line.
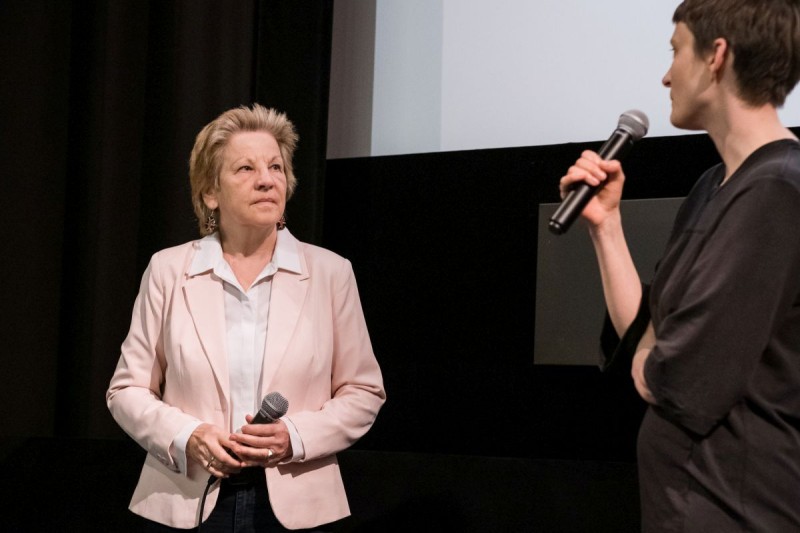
(246,322)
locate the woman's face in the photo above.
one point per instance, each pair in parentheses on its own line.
(688,79)
(252,183)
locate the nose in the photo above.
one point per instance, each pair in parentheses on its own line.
(264,180)
(666,81)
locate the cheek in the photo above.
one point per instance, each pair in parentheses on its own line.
(284,188)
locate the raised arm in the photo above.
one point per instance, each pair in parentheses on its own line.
(621,283)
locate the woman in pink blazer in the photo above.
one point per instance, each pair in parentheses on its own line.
(220,322)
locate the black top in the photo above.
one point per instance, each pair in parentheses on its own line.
(720,450)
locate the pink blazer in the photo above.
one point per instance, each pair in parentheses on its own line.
(173,370)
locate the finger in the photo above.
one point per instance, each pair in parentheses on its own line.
(250,454)
(592,176)
(224,466)
(214,468)
(575,176)
(263,430)
(591,166)
(591,155)
(610,165)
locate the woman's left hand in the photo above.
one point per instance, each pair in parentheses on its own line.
(637,372)
(262,444)
(643,349)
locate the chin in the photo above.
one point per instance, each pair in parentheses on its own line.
(691,120)
(687,125)
(675,118)
(680,122)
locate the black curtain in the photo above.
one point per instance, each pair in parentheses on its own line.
(100,102)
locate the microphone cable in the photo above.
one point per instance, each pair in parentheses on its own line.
(211,481)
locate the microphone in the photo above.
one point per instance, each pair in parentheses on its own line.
(631,127)
(273,406)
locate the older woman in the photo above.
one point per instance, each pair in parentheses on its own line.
(221,321)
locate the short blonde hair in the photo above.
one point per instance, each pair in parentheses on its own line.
(205,162)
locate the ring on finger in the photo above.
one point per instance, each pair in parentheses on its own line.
(210,462)
(269,453)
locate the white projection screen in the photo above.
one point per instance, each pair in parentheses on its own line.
(421,76)
(415,76)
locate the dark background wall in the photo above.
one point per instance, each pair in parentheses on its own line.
(99,105)
(444,247)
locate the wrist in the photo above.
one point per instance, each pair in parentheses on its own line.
(610,226)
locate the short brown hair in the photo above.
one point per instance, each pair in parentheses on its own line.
(764,36)
(205,162)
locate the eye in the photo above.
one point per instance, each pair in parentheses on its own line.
(276,167)
(244,168)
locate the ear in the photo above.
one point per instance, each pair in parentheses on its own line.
(719,56)
(210,199)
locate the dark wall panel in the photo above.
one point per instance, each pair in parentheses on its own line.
(444,247)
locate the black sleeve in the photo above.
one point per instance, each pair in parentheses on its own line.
(724,310)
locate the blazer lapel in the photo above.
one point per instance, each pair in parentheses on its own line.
(206,304)
(286,303)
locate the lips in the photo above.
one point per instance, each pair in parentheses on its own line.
(264,201)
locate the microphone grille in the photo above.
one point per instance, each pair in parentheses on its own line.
(274,405)
(635,123)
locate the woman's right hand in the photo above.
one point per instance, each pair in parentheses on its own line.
(593,170)
(209,445)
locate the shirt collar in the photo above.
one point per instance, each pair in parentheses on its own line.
(209,254)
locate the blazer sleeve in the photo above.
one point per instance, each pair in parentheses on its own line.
(134,396)
(357,391)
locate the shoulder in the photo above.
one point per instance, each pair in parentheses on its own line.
(779,161)
(323,263)
(324,266)
(313,256)
(320,255)
(175,259)
(173,253)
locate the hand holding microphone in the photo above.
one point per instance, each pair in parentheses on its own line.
(273,406)
(632,126)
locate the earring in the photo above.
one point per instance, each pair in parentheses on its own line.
(211,223)
(281,223)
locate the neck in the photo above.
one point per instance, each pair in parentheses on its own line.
(248,253)
(258,243)
(739,130)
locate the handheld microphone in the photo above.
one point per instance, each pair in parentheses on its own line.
(273,406)
(632,126)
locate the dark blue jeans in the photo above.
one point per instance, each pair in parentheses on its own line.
(242,507)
